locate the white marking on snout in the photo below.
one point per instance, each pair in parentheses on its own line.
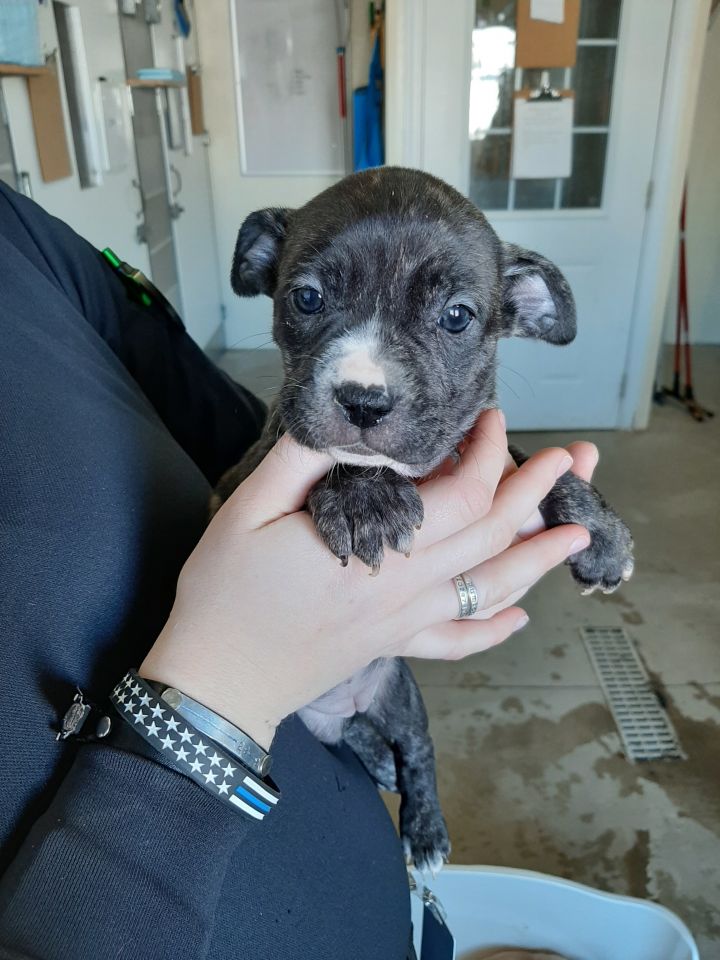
(357,361)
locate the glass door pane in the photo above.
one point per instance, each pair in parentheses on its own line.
(493,83)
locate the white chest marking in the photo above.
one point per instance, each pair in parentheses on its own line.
(377,460)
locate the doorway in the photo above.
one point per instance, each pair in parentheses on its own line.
(591,224)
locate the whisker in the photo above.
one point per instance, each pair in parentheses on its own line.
(517,373)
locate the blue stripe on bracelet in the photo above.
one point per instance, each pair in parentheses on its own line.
(242,792)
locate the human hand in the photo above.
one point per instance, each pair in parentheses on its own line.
(265,619)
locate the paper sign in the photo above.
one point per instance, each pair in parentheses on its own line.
(551,10)
(542,139)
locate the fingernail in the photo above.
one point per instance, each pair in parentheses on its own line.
(564,466)
(577,545)
(501,416)
(522,621)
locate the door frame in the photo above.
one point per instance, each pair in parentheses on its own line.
(404,122)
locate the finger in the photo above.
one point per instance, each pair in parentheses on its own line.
(279,485)
(510,467)
(505,578)
(460,638)
(464,492)
(532,526)
(516,499)
(585,458)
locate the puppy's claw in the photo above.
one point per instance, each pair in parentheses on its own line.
(359,516)
(418,526)
(428,848)
(432,864)
(344,561)
(408,555)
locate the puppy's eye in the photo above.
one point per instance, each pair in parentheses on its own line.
(456,318)
(308,300)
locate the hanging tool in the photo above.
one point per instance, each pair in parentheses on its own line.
(683,347)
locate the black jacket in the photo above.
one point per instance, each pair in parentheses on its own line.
(113,427)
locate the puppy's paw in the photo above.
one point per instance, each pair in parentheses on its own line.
(424,837)
(359,512)
(608,561)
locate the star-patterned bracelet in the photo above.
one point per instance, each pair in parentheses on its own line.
(195,755)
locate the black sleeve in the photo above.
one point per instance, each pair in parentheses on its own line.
(127,861)
(132,860)
(106,854)
(212,418)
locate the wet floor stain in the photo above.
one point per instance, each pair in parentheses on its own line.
(699,913)
(530,746)
(618,599)
(693,784)
(702,693)
(512,704)
(555,794)
(627,776)
(636,860)
(473,678)
(632,617)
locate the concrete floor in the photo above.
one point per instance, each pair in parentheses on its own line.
(530,767)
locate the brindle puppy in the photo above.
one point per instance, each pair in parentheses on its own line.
(391,291)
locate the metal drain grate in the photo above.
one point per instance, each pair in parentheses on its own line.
(644,726)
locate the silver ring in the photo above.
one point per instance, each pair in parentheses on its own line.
(467,596)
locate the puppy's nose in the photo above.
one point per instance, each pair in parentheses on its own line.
(363,406)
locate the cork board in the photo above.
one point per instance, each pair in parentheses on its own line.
(543,44)
(194,89)
(49,125)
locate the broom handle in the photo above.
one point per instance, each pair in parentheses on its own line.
(684,296)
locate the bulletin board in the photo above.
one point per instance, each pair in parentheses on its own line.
(286,87)
(541,43)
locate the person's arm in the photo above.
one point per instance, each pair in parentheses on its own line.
(128,860)
(212,418)
(129,856)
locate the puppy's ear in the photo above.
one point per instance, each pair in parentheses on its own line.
(257,251)
(537,300)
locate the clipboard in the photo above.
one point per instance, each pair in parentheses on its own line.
(542,137)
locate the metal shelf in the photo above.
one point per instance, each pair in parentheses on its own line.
(20,70)
(135,82)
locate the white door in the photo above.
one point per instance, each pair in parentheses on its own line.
(591,224)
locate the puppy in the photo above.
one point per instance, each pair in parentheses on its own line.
(391,292)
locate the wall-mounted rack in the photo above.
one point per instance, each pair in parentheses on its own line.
(21,70)
(153,84)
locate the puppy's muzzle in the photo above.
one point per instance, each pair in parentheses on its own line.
(363,407)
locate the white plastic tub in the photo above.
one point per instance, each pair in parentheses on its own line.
(497,906)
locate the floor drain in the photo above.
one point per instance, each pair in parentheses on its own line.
(644,726)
